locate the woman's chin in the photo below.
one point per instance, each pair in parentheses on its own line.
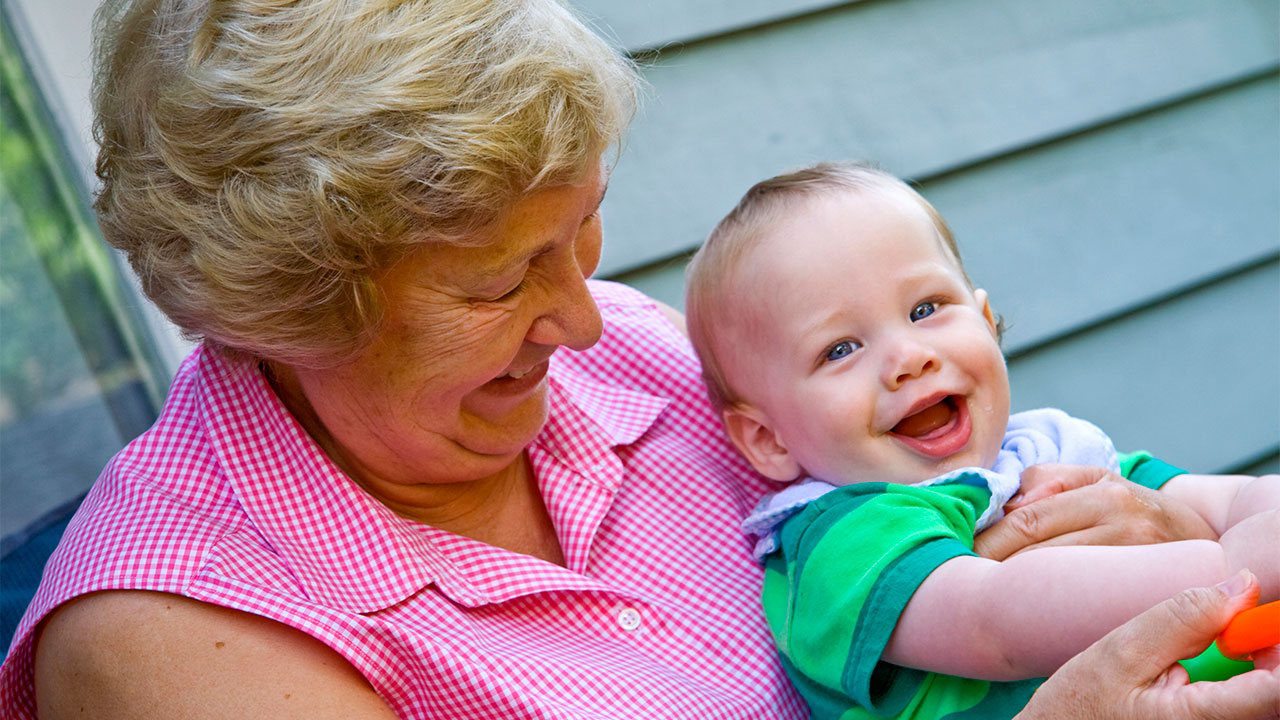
(501,423)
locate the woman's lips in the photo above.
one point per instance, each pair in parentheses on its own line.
(511,386)
(938,430)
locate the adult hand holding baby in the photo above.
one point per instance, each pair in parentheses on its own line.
(1132,672)
(1083,505)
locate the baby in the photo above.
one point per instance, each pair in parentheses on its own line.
(848,351)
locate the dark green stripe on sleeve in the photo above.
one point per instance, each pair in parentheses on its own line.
(884,605)
(1141,468)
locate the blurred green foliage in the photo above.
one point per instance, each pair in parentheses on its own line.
(54,269)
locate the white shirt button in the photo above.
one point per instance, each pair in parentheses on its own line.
(628,619)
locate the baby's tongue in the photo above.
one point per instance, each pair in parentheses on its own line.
(925,421)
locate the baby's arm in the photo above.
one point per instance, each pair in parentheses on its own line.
(1245,512)
(1026,616)
(1225,500)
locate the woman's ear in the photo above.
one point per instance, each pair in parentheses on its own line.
(749,429)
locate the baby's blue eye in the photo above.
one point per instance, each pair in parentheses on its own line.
(841,349)
(922,311)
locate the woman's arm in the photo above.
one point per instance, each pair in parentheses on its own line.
(127,654)
(1028,615)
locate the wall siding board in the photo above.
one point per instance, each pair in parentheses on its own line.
(924,86)
(1266,466)
(640,25)
(1193,380)
(1136,210)
(1140,209)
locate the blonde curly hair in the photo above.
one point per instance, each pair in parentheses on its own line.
(263,160)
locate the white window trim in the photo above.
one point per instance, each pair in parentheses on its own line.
(56,40)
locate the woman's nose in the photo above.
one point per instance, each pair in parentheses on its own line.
(571,317)
(909,359)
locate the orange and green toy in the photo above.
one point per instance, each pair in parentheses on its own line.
(1251,630)
(1248,632)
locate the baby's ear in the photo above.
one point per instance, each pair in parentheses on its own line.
(985,301)
(749,429)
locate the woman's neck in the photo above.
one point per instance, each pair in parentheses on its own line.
(504,509)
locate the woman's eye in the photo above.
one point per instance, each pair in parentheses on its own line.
(508,294)
(840,350)
(513,291)
(922,311)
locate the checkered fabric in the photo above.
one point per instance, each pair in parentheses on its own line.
(657,614)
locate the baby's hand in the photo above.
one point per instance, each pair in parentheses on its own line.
(1251,544)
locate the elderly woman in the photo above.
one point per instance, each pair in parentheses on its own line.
(377,488)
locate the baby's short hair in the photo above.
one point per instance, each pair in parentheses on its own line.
(712,273)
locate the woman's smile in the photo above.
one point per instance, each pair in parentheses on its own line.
(517,382)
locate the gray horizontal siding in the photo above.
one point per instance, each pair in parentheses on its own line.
(641,25)
(1269,465)
(1111,168)
(1194,380)
(923,86)
(1136,210)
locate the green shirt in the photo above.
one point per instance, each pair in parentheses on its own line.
(847,564)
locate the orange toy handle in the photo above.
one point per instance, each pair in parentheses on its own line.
(1251,630)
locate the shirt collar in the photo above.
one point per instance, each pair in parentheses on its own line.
(346,548)
(588,418)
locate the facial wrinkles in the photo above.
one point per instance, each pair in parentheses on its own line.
(425,335)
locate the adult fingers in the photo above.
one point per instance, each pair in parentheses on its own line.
(1182,626)
(1097,535)
(1042,481)
(1254,695)
(1267,658)
(1131,673)
(1104,513)
(1040,522)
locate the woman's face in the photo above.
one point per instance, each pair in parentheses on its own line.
(453,386)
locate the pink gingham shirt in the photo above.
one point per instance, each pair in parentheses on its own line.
(657,614)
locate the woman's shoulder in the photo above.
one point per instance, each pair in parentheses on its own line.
(608,293)
(158,509)
(127,650)
(128,534)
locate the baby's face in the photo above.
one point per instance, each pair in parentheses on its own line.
(866,355)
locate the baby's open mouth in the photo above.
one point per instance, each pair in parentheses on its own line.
(937,431)
(927,420)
